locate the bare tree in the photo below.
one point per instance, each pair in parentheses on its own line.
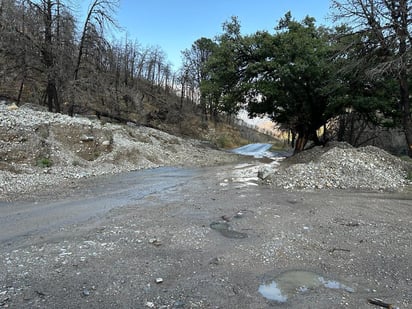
(386,30)
(12,52)
(35,37)
(42,53)
(99,14)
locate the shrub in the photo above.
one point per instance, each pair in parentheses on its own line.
(44,162)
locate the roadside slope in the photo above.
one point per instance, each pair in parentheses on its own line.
(39,150)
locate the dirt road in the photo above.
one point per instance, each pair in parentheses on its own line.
(214,239)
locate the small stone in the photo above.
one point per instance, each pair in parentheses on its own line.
(86,292)
(106,143)
(159,280)
(155,241)
(178,304)
(12,107)
(86,138)
(150,304)
(264,173)
(226,218)
(239,215)
(214,261)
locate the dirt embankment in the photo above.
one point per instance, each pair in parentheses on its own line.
(39,149)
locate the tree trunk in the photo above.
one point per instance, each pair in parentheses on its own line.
(52,97)
(21,90)
(301,141)
(83,38)
(406,111)
(402,30)
(408,134)
(304,135)
(293,140)
(48,58)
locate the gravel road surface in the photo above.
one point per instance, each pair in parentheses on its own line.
(214,238)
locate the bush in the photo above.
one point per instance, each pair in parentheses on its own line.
(409,176)
(224,141)
(44,162)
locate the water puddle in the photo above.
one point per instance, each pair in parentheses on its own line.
(246,174)
(242,175)
(224,229)
(291,283)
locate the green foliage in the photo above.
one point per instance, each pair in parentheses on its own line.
(284,75)
(44,162)
(409,176)
(289,75)
(301,76)
(222,86)
(224,142)
(408,161)
(195,67)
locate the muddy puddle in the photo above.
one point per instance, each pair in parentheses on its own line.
(291,283)
(225,230)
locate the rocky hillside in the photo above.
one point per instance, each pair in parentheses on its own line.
(40,149)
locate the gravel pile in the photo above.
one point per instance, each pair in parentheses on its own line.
(341,167)
(40,150)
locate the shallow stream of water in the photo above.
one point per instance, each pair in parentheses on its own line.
(258,150)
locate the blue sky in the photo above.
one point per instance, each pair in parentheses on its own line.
(175,24)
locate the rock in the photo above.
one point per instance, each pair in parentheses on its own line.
(12,107)
(226,218)
(86,138)
(178,304)
(159,280)
(106,143)
(214,261)
(155,242)
(265,172)
(239,215)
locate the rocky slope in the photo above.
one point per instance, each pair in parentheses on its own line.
(39,149)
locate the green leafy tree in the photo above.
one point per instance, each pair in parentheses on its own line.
(288,76)
(222,87)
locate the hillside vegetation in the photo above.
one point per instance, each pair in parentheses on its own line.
(317,83)
(51,59)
